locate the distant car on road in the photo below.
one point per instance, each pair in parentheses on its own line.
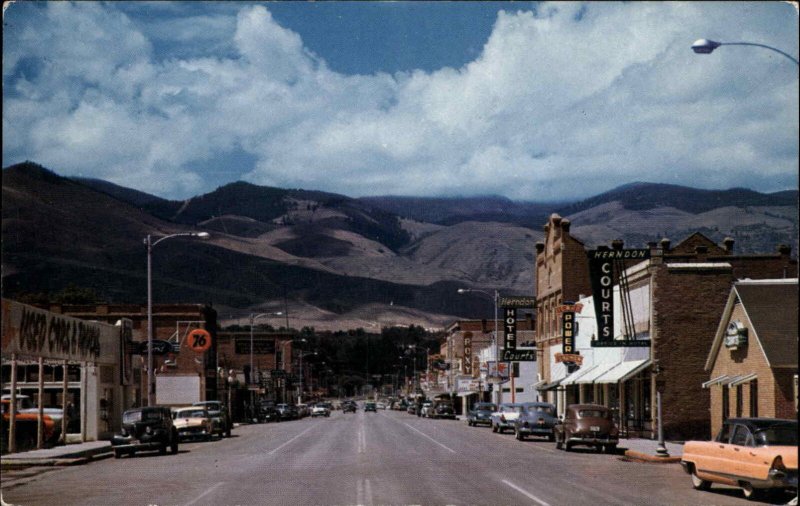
(320,409)
(193,423)
(381,405)
(536,419)
(505,416)
(755,454)
(370,406)
(442,409)
(219,415)
(481,414)
(425,410)
(287,411)
(411,409)
(267,412)
(349,407)
(147,429)
(588,425)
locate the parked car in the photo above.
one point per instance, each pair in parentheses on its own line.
(442,409)
(425,410)
(27,422)
(381,405)
(505,416)
(588,425)
(193,423)
(148,429)
(303,410)
(536,419)
(287,411)
(267,412)
(219,415)
(349,407)
(370,406)
(320,409)
(756,454)
(481,413)
(411,409)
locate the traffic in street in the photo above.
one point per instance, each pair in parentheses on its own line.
(368,457)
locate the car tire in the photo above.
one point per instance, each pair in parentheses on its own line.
(699,483)
(568,446)
(559,446)
(494,428)
(117,454)
(551,437)
(519,435)
(611,448)
(228,432)
(163,449)
(751,493)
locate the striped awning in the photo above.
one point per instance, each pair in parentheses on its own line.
(717,381)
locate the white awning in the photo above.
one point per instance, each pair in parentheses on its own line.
(742,379)
(598,371)
(622,371)
(719,379)
(570,380)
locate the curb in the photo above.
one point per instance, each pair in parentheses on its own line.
(650,459)
(55,461)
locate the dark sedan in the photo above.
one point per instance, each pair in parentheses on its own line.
(481,413)
(146,429)
(267,412)
(536,419)
(588,425)
(287,411)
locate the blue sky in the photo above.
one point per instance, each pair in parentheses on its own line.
(534,101)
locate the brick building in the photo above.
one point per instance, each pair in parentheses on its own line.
(753,360)
(680,296)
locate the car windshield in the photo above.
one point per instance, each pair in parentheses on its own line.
(191,413)
(777,435)
(131,416)
(486,407)
(547,410)
(592,413)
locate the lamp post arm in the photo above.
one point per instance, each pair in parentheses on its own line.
(761,45)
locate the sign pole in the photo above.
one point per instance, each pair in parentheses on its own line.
(12,408)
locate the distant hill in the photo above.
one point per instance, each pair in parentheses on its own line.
(389,256)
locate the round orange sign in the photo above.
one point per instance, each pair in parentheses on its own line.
(199,340)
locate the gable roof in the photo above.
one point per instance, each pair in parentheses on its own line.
(772,307)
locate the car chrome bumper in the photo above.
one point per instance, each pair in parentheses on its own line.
(593,440)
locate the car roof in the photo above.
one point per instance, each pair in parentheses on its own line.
(761,423)
(586,406)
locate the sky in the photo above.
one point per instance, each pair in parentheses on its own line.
(532,101)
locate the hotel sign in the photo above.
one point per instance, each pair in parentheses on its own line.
(509,328)
(603,265)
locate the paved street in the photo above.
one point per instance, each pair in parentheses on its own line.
(388,457)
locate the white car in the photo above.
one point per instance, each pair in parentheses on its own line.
(505,416)
(425,411)
(320,409)
(381,405)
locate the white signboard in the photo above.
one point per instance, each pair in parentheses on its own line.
(177,390)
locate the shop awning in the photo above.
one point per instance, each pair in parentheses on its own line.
(738,380)
(715,381)
(599,370)
(572,378)
(622,371)
(544,386)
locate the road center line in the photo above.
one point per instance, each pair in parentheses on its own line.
(289,441)
(525,493)
(204,494)
(427,436)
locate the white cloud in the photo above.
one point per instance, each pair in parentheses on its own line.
(568,102)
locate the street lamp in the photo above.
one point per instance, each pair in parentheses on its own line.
(253,318)
(427,354)
(150,244)
(705,46)
(303,355)
(495,297)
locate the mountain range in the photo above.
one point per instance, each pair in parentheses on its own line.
(333,261)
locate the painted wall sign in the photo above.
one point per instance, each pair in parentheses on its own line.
(510,328)
(572,308)
(31,331)
(519,302)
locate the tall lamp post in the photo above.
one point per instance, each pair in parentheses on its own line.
(302,356)
(150,244)
(253,318)
(495,297)
(416,348)
(705,46)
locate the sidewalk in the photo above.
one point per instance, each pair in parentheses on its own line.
(644,450)
(64,455)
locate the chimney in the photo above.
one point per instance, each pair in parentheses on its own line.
(565,223)
(539,247)
(784,249)
(701,252)
(665,245)
(728,243)
(617,244)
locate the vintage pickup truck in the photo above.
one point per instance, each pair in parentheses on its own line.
(755,454)
(27,419)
